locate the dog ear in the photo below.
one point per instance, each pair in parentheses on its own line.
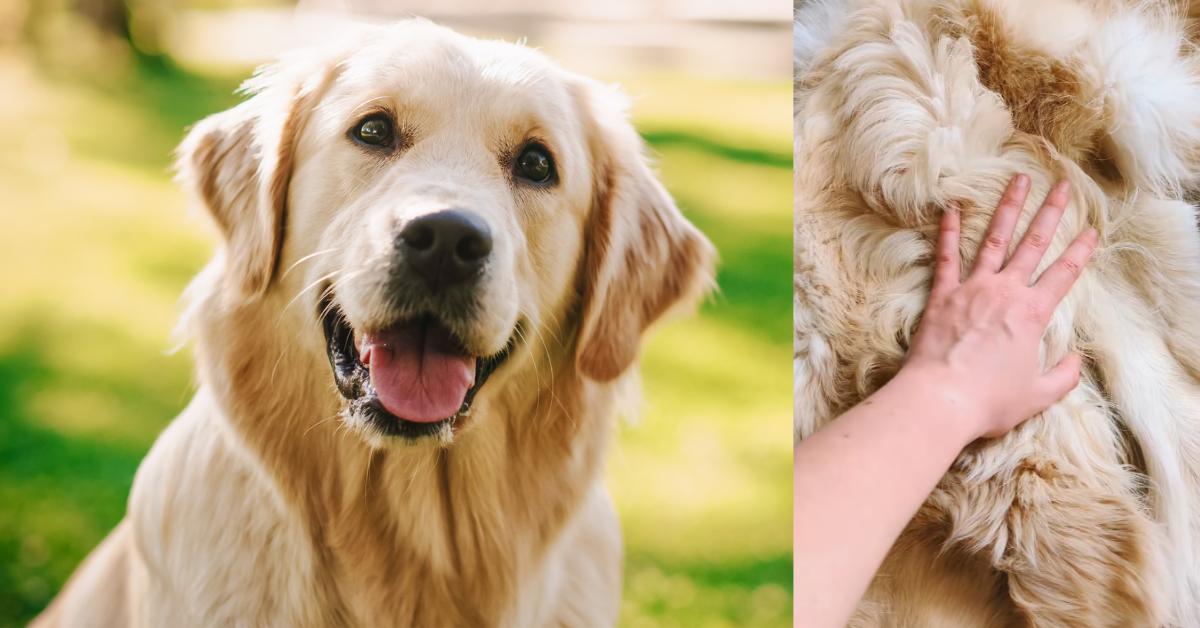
(641,255)
(239,162)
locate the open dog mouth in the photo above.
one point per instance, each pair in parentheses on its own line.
(411,379)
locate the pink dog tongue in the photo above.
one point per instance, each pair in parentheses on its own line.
(417,371)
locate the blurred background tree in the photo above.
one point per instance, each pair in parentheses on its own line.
(110,17)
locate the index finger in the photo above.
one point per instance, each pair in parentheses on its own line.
(947,269)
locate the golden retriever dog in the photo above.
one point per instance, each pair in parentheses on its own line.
(1087,515)
(438,258)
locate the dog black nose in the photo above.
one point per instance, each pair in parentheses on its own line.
(447,247)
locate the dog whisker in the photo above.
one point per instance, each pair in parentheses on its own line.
(550,364)
(554,398)
(306,258)
(347,277)
(537,328)
(367,472)
(299,294)
(417,469)
(536,374)
(310,428)
(329,307)
(557,325)
(277,361)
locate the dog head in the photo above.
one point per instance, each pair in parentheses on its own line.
(436,203)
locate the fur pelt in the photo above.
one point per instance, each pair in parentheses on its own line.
(1087,515)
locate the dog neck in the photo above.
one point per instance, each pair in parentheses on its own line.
(416,533)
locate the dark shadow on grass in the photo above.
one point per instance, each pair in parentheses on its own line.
(718,149)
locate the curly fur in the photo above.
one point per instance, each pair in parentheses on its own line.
(1088,514)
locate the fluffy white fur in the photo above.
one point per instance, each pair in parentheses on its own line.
(1089,514)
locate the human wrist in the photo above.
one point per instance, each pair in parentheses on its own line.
(941,400)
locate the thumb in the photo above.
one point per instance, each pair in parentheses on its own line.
(1061,379)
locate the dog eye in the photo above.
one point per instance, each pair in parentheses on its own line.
(535,164)
(375,131)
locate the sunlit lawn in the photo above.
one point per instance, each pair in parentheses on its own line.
(96,246)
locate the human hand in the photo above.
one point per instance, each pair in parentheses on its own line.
(978,341)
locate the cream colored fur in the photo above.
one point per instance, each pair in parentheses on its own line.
(1088,515)
(264,503)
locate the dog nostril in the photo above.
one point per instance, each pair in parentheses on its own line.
(473,247)
(418,235)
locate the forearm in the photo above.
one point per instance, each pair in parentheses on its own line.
(858,482)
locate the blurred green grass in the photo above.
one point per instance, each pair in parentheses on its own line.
(97,251)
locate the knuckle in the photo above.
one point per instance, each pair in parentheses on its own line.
(1037,240)
(945,258)
(994,242)
(1071,266)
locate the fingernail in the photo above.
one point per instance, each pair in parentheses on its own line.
(1062,187)
(1093,234)
(1022,182)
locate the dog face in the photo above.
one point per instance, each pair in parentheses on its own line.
(450,201)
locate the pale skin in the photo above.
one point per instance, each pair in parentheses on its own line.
(859,480)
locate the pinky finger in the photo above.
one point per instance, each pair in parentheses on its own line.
(1056,282)
(946,267)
